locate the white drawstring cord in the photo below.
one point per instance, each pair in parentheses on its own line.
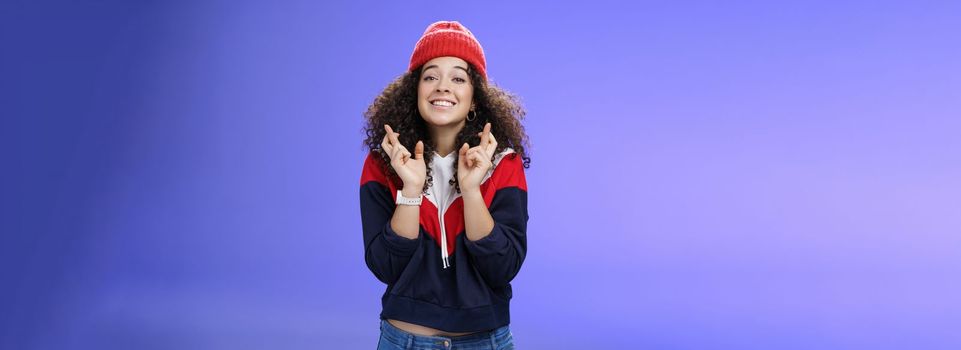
(443,246)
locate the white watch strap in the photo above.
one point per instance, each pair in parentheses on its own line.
(408,201)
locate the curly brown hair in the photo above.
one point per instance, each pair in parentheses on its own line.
(397,106)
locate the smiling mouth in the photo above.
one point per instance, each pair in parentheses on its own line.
(442,103)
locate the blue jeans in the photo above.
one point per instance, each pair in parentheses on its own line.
(393,338)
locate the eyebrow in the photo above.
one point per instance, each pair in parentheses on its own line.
(435,66)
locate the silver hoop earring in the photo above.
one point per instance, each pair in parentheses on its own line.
(471,116)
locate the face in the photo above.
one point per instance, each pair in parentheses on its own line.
(444,93)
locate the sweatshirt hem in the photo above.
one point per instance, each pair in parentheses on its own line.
(475,319)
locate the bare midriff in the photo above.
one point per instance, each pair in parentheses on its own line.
(423,330)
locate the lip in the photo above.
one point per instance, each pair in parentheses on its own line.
(441,108)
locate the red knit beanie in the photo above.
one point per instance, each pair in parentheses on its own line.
(448,38)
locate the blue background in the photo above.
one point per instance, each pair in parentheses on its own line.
(705,175)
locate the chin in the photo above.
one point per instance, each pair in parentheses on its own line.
(443,120)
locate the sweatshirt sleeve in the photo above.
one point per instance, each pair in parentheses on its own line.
(385,252)
(499,255)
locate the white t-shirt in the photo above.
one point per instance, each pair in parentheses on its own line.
(442,171)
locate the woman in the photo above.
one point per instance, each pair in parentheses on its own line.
(444,198)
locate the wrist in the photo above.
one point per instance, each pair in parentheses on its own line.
(471,193)
(412,191)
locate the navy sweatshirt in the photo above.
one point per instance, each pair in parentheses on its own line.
(470,290)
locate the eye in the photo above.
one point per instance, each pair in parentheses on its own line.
(429,77)
(460,80)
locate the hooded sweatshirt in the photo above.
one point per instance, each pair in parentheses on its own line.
(441,279)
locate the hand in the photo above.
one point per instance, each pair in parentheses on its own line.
(413,171)
(473,163)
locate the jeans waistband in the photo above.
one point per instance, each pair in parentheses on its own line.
(400,336)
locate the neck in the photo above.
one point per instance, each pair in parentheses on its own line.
(444,137)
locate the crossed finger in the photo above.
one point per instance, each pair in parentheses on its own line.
(393,147)
(488,143)
(391,135)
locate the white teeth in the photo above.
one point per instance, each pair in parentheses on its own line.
(442,103)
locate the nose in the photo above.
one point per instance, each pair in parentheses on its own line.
(442,86)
